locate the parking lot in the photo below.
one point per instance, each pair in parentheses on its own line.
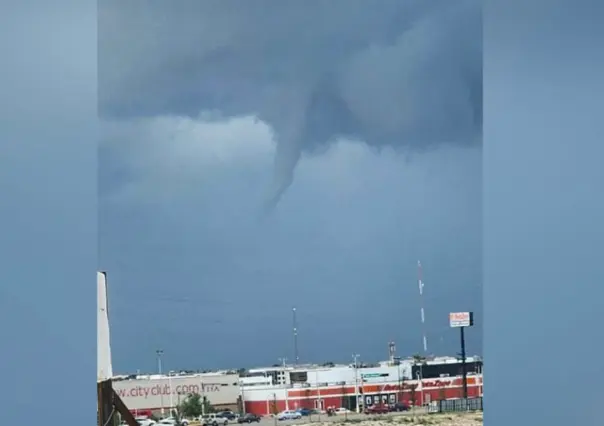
(315,418)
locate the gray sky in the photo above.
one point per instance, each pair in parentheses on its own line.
(359,127)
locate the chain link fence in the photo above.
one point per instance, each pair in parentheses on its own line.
(456,405)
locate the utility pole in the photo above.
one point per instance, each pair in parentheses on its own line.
(399,397)
(275,410)
(356,382)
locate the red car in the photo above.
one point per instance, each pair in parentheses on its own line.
(377,409)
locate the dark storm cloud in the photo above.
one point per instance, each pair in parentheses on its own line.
(403,74)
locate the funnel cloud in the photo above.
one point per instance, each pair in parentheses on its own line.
(402,74)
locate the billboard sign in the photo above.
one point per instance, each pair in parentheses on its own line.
(373,377)
(461,319)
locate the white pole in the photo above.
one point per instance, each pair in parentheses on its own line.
(318,393)
(356,382)
(399,395)
(480,377)
(421,374)
(421,389)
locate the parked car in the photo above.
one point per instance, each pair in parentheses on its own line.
(227,415)
(248,418)
(173,421)
(289,415)
(305,411)
(342,410)
(145,421)
(399,406)
(377,409)
(213,420)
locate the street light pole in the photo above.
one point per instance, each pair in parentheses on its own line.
(242,387)
(356,382)
(159,353)
(170,386)
(203,398)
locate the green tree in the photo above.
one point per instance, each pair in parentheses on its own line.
(418,359)
(192,406)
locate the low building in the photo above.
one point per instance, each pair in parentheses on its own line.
(270,390)
(264,400)
(155,392)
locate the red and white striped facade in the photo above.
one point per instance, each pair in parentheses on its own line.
(264,400)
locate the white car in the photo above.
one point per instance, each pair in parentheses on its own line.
(342,410)
(172,421)
(213,420)
(145,421)
(289,415)
(167,422)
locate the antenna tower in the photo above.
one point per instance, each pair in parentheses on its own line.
(420,283)
(295,330)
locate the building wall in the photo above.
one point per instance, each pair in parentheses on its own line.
(140,394)
(268,401)
(347,374)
